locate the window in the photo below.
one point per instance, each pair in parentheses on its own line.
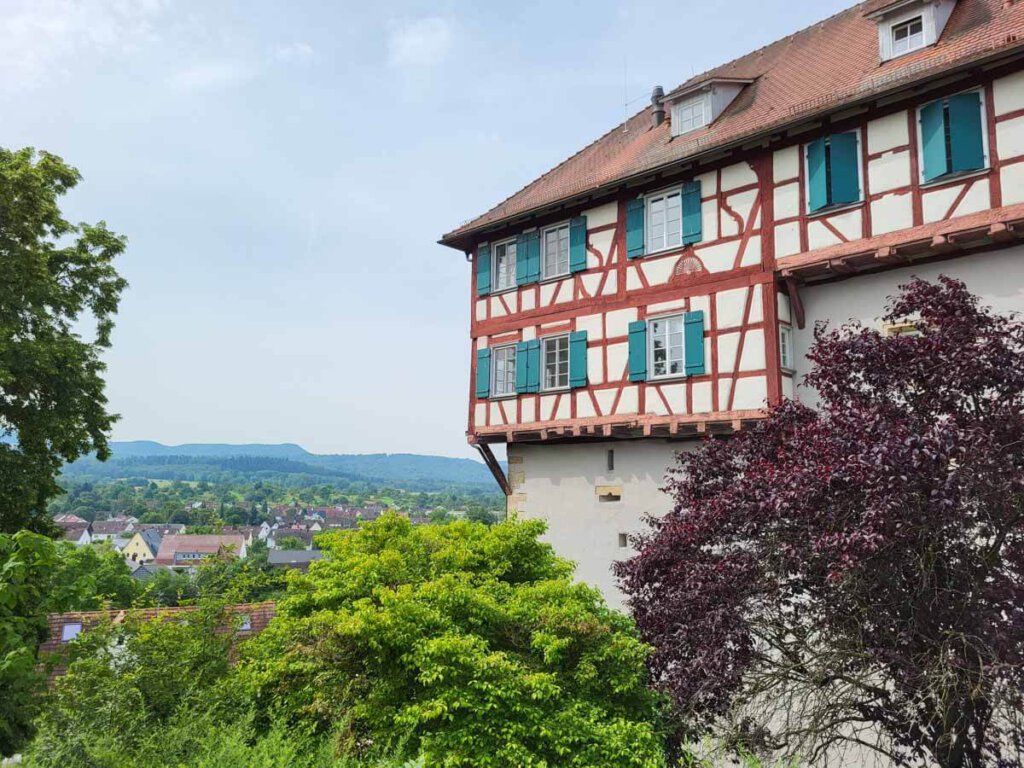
(664,221)
(623,540)
(786,347)
(667,347)
(556,251)
(504,367)
(689,115)
(505,266)
(952,136)
(556,362)
(907,36)
(904,328)
(246,624)
(70,631)
(611,460)
(833,171)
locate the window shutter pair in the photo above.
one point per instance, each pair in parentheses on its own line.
(832,173)
(693,341)
(483,270)
(578,244)
(693,221)
(959,121)
(528,366)
(528,258)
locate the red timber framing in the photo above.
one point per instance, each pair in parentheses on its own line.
(743,219)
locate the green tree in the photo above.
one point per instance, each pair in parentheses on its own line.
(290,542)
(90,578)
(465,644)
(26,561)
(56,275)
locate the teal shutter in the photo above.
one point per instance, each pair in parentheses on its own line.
(933,135)
(483,270)
(635,228)
(533,366)
(817,176)
(693,341)
(522,366)
(843,160)
(578,244)
(533,256)
(967,150)
(578,359)
(522,259)
(483,373)
(638,350)
(692,219)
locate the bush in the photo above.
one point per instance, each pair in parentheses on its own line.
(466,644)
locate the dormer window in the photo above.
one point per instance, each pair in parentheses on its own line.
(907,36)
(690,114)
(905,26)
(698,104)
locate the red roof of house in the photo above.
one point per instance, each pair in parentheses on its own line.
(818,70)
(259,615)
(209,544)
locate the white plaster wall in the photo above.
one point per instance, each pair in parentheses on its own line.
(997,276)
(557,483)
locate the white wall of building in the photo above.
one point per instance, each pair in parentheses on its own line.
(560,484)
(996,276)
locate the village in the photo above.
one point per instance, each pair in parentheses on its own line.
(289,533)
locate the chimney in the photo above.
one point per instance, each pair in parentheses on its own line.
(657,108)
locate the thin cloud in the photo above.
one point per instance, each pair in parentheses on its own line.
(297,51)
(40,39)
(210,76)
(420,43)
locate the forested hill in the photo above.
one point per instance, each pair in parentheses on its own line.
(284,462)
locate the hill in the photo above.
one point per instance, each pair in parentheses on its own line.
(285,463)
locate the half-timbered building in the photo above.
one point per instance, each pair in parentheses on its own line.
(662,284)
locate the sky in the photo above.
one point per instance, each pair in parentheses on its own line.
(283,170)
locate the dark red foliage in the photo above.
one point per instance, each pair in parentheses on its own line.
(888,524)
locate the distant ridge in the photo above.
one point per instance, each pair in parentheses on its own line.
(148,458)
(220,450)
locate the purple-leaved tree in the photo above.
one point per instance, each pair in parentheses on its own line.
(854,574)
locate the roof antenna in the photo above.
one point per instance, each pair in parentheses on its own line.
(625,93)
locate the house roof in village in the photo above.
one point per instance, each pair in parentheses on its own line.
(293,557)
(109,526)
(192,542)
(827,66)
(259,616)
(161,528)
(73,531)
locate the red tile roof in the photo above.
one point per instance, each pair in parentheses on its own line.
(260,615)
(815,71)
(193,542)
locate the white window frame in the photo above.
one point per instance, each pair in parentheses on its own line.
(953,177)
(544,274)
(689,103)
(830,209)
(649,230)
(786,361)
(893,26)
(651,375)
(495,272)
(70,631)
(504,348)
(544,363)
